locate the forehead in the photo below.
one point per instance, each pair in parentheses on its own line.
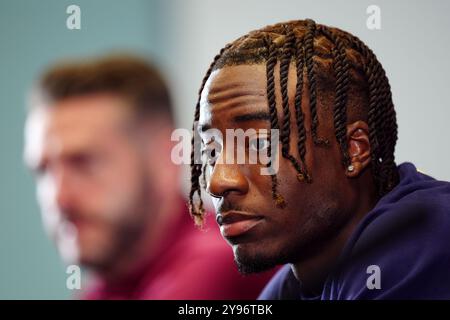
(233,89)
(92,112)
(72,124)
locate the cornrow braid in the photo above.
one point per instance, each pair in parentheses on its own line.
(272,54)
(309,53)
(285,63)
(386,121)
(341,70)
(299,116)
(389,125)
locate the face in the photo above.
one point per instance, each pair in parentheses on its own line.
(260,233)
(91,177)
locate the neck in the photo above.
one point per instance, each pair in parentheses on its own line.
(313,272)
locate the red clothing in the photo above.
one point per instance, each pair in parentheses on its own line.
(191,264)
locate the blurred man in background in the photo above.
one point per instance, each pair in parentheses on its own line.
(98,140)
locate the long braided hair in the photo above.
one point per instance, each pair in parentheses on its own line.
(311,47)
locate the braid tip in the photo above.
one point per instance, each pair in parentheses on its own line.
(304,177)
(279,201)
(198,214)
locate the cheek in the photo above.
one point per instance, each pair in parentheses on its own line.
(303,200)
(260,185)
(328,165)
(122,198)
(312,208)
(117,189)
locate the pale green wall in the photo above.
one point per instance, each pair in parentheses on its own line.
(32,35)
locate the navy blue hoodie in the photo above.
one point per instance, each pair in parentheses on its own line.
(399,250)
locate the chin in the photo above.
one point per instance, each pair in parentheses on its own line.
(87,260)
(91,256)
(254,258)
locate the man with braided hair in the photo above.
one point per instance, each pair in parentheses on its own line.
(350,223)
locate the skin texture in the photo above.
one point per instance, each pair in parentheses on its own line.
(97,180)
(311,230)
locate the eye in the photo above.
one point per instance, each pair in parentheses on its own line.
(259,144)
(212,151)
(85,163)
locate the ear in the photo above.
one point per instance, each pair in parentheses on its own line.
(358,148)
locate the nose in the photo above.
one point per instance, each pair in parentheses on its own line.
(226,179)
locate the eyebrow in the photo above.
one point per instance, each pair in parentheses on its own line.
(232,91)
(260,115)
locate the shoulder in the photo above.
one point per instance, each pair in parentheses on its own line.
(283,286)
(405,245)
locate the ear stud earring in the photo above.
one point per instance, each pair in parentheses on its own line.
(350,168)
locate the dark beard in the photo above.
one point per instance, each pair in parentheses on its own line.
(254,266)
(258,263)
(298,251)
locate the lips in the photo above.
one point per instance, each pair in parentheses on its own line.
(233,224)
